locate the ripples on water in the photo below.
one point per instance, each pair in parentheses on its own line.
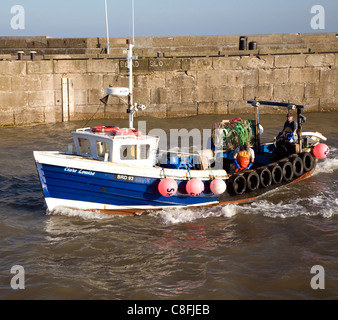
(259,250)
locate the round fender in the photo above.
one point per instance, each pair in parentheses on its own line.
(308,161)
(265,177)
(217,186)
(276,173)
(252,181)
(195,187)
(237,184)
(287,169)
(297,164)
(321,151)
(167,187)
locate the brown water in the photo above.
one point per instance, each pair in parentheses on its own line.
(260,250)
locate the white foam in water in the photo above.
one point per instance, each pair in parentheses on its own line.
(329,164)
(274,210)
(176,215)
(86,215)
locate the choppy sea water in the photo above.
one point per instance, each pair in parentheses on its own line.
(263,249)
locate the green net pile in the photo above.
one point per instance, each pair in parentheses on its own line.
(228,135)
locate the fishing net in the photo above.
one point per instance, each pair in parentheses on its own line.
(228,135)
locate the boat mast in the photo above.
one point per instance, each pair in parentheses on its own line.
(131,107)
(123,92)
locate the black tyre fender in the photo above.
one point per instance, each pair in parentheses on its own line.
(287,170)
(252,180)
(265,177)
(298,165)
(308,161)
(276,173)
(237,184)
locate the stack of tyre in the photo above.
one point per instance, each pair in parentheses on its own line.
(284,170)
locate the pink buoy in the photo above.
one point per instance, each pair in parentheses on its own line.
(195,187)
(321,151)
(217,186)
(167,187)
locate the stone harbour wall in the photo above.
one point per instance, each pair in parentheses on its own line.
(56,88)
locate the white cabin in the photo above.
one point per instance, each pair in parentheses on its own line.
(125,149)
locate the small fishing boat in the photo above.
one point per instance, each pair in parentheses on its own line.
(117,170)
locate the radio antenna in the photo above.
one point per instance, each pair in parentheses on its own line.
(107,27)
(133,20)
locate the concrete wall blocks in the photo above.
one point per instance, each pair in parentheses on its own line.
(102,66)
(11,68)
(5,83)
(70,66)
(40,67)
(273,76)
(181,80)
(329,75)
(31,91)
(320,60)
(196,64)
(304,75)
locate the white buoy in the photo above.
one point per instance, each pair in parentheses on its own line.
(218,186)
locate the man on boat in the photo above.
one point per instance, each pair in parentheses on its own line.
(244,157)
(289,131)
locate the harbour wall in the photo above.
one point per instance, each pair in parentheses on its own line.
(173,76)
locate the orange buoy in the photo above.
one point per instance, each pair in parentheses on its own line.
(321,151)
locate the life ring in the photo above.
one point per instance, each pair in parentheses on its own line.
(252,181)
(265,177)
(276,173)
(237,184)
(308,161)
(287,169)
(104,128)
(127,132)
(297,164)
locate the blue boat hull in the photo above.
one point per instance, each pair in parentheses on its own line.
(66,185)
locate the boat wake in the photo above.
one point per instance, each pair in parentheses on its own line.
(329,165)
(86,215)
(175,216)
(320,207)
(323,205)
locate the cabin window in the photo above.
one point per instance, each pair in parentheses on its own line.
(144,151)
(135,152)
(128,152)
(102,148)
(84,145)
